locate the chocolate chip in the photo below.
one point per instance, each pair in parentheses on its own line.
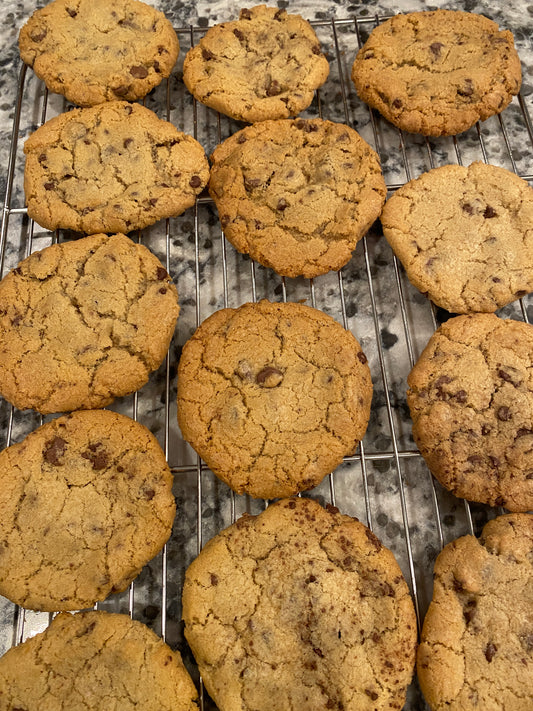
(397,104)
(485,430)
(274,88)
(469,611)
(282,204)
(504,413)
(195,181)
(467,89)
(163,290)
(490,651)
(467,207)
(71,12)
(251,183)
(214,579)
(279,15)
(139,72)
(523,431)
(54,450)
(42,157)
(121,90)
(157,67)
(435,49)
(318,652)
(461,396)
(161,274)
(499,501)
(207,54)
(245,14)
(490,212)
(39,36)
(241,138)
(362,357)
(374,540)
(526,640)
(269,377)
(475,459)
(97,456)
(520,293)
(315,49)
(225,220)
(238,34)
(127,142)
(373,695)
(291,504)
(49,186)
(494,461)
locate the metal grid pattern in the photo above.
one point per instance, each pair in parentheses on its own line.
(381,483)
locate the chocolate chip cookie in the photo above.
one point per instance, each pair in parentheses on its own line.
(82,323)
(297,195)
(437,72)
(303,605)
(464,235)
(86,501)
(272,396)
(471,399)
(265,65)
(476,650)
(92,661)
(116,167)
(93,51)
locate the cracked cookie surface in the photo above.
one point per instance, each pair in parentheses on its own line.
(300,607)
(437,72)
(476,649)
(471,399)
(93,51)
(297,195)
(265,65)
(112,168)
(464,236)
(92,661)
(86,502)
(82,323)
(272,396)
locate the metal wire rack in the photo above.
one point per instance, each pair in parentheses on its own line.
(385,484)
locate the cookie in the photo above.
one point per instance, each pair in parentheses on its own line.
(265,65)
(471,399)
(464,236)
(86,501)
(297,195)
(303,605)
(92,661)
(437,72)
(476,649)
(272,396)
(111,168)
(82,323)
(93,51)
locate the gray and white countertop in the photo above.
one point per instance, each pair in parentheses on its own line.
(386,484)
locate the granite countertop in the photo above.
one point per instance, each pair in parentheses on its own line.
(390,487)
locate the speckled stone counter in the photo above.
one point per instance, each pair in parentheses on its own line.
(385,484)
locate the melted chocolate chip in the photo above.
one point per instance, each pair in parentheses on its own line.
(157,67)
(279,15)
(251,183)
(490,651)
(149,494)
(39,36)
(282,204)
(161,274)
(504,413)
(467,89)
(121,90)
(397,104)
(127,142)
(195,181)
(207,54)
(71,12)
(461,396)
(225,220)
(499,501)
(373,695)
(139,72)
(269,377)
(274,88)
(362,357)
(245,14)
(97,456)
(49,186)
(238,34)
(214,579)
(490,212)
(241,138)
(54,450)
(435,48)
(374,540)
(315,49)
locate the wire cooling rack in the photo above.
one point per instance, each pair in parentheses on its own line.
(386,483)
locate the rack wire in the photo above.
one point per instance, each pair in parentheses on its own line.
(386,484)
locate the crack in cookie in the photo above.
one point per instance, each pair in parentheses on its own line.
(77,323)
(112,168)
(272,396)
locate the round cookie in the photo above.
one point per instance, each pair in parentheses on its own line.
(82,323)
(471,399)
(86,501)
(464,235)
(112,168)
(297,195)
(302,605)
(437,72)
(476,646)
(265,65)
(93,661)
(93,51)
(272,396)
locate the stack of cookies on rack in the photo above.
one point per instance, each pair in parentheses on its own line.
(300,604)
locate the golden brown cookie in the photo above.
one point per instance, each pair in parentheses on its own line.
(297,195)
(437,72)
(93,661)
(112,168)
(464,235)
(265,65)
(471,399)
(272,396)
(82,323)
(476,650)
(93,51)
(86,501)
(302,605)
